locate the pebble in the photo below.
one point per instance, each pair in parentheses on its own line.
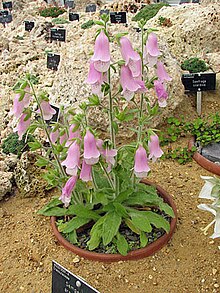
(214,271)
(150,277)
(76,259)
(216,285)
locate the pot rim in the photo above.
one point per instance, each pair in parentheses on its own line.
(202,161)
(132,255)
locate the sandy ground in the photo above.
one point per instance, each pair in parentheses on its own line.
(189,263)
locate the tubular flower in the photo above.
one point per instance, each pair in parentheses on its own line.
(47,110)
(151,51)
(91,153)
(86,172)
(131,57)
(73,159)
(95,79)
(161,93)
(72,135)
(19,106)
(141,167)
(129,84)
(67,190)
(207,189)
(63,138)
(108,154)
(22,125)
(101,57)
(54,136)
(154,148)
(161,72)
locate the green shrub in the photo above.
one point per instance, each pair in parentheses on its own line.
(11,145)
(194,65)
(60,20)
(149,11)
(52,11)
(87,24)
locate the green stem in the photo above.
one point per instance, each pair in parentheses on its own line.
(46,131)
(107,175)
(112,132)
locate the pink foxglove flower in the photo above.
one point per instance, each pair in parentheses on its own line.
(101,57)
(91,153)
(54,136)
(67,190)
(131,57)
(108,154)
(19,106)
(161,93)
(154,148)
(129,84)
(141,167)
(72,160)
(161,72)
(95,79)
(86,172)
(63,138)
(72,135)
(22,125)
(151,51)
(47,110)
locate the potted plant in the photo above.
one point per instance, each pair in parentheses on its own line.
(100,182)
(210,191)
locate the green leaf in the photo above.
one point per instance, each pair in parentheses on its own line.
(120,209)
(158,221)
(110,227)
(101,181)
(167,209)
(130,225)
(34,145)
(73,224)
(124,195)
(142,198)
(115,126)
(53,203)
(96,234)
(99,22)
(140,221)
(72,237)
(55,211)
(94,100)
(42,162)
(122,244)
(82,211)
(143,239)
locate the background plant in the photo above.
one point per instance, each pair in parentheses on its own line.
(194,65)
(205,131)
(149,11)
(51,11)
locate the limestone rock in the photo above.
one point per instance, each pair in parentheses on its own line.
(28,176)
(5,183)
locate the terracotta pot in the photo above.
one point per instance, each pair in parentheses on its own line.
(132,255)
(202,161)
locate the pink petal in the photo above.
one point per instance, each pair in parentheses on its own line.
(67,190)
(86,172)
(127,51)
(161,93)
(22,126)
(152,45)
(47,110)
(54,136)
(72,135)
(91,153)
(161,72)
(141,167)
(154,147)
(94,76)
(73,156)
(102,49)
